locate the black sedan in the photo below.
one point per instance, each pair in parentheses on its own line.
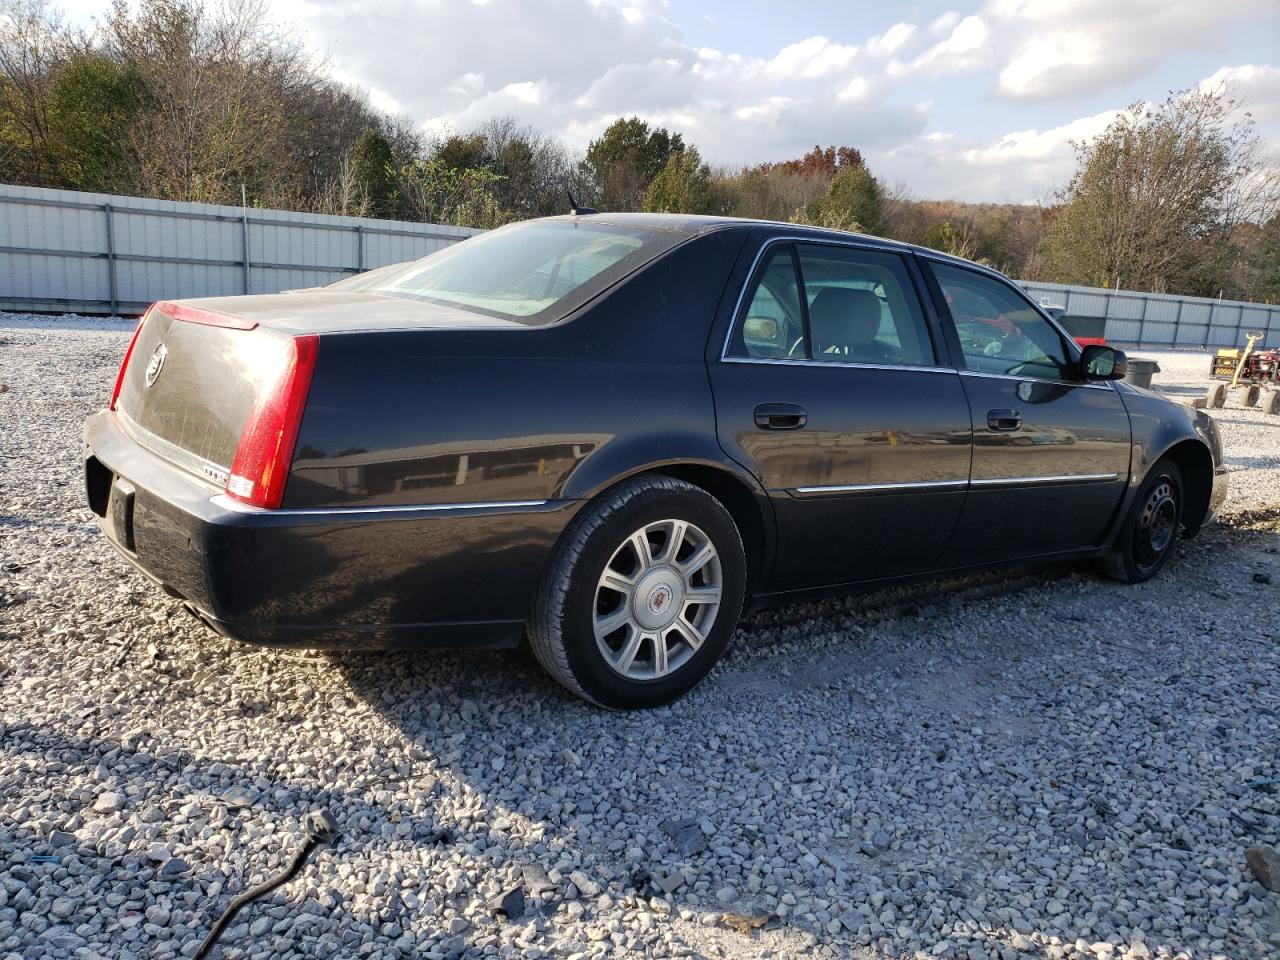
(611,434)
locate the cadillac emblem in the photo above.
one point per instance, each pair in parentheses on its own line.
(155,365)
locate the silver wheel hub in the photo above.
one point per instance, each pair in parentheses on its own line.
(657,599)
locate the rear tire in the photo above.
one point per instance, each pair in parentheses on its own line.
(1151,527)
(1251,395)
(641,595)
(1216,396)
(1271,402)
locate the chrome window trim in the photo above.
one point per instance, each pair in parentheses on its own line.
(1027,378)
(832,242)
(872,487)
(1064,478)
(911,485)
(227,503)
(784,361)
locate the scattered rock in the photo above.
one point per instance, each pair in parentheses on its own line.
(745,923)
(109,802)
(672,881)
(509,904)
(1264,861)
(687,836)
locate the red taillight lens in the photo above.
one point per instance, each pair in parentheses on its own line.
(209,318)
(124,364)
(262,460)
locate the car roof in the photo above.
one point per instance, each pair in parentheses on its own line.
(691,225)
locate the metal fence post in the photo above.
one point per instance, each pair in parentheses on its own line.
(244,220)
(1177,323)
(111,261)
(359,248)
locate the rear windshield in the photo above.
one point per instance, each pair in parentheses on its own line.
(535,272)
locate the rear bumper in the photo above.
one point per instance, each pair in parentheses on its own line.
(352,578)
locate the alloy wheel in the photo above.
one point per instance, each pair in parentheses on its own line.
(657,599)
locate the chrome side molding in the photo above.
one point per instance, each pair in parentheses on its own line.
(228,503)
(922,485)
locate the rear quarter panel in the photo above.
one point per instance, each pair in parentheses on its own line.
(543,413)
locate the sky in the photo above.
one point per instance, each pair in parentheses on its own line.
(975,101)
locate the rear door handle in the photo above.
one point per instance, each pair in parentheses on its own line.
(781,416)
(1004,420)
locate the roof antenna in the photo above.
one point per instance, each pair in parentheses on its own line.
(576,210)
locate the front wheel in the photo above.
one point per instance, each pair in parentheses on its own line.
(1151,528)
(641,595)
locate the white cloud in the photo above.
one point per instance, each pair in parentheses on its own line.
(1067,49)
(1257,87)
(1017,167)
(811,58)
(1037,146)
(892,40)
(964,48)
(568,67)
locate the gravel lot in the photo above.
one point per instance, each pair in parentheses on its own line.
(1039,763)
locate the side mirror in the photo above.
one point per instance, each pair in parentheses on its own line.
(760,328)
(1098,362)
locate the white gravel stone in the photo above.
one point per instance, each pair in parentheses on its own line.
(1033,762)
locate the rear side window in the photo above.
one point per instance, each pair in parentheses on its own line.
(833,304)
(862,307)
(772,327)
(999,330)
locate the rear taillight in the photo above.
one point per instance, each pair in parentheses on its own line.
(124,364)
(265,454)
(201,315)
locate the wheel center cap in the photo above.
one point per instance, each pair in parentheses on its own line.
(658,599)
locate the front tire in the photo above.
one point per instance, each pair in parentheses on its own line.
(641,595)
(1151,528)
(1216,396)
(1271,402)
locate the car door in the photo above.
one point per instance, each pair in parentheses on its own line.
(1050,451)
(829,389)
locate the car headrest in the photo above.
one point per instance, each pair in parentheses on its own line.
(845,319)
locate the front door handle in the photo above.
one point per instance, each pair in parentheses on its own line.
(1004,420)
(781,416)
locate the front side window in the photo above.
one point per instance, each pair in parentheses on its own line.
(1000,331)
(533,272)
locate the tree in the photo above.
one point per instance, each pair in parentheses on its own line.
(1156,196)
(373,172)
(470,152)
(535,169)
(683,185)
(437,193)
(853,202)
(91,103)
(821,162)
(33,43)
(625,159)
